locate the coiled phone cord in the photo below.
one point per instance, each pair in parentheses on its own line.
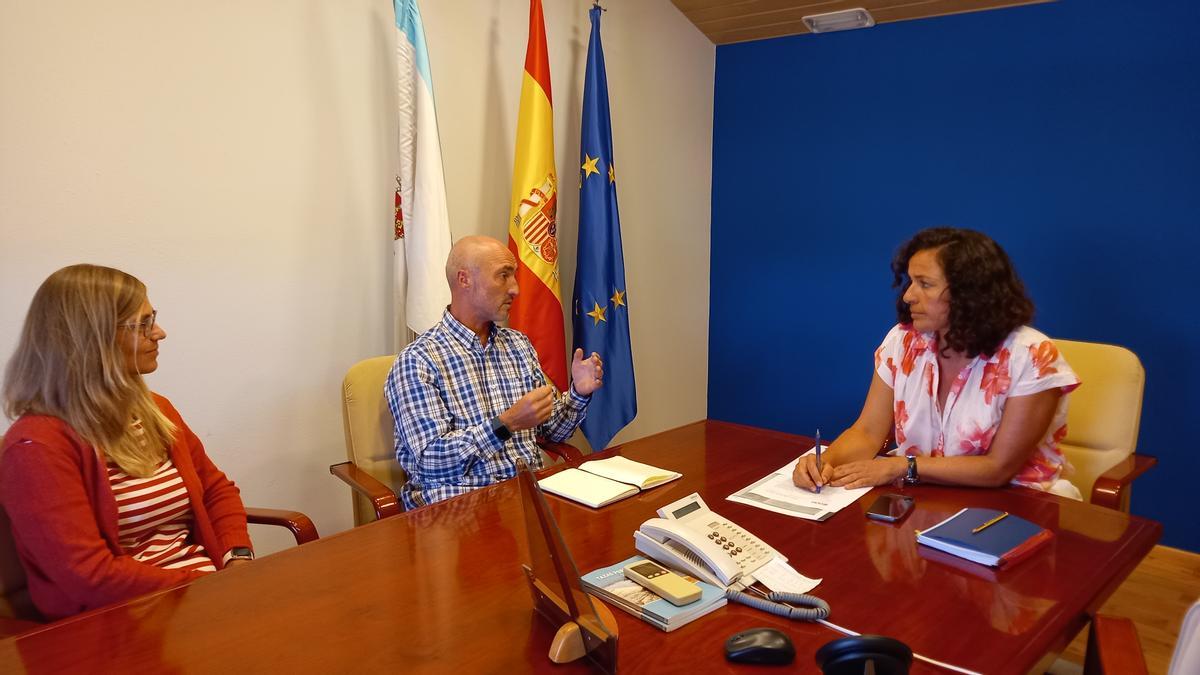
(810,607)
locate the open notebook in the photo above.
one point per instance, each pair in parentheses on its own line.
(604,481)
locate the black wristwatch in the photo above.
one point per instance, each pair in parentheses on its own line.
(912,477)
(500,430)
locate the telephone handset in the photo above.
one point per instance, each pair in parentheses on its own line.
(689,536)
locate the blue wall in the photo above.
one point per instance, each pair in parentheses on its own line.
(1069,132)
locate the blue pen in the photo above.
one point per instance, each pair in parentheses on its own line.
(818,458)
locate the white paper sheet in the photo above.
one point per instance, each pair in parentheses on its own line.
(779,576)
(776,492)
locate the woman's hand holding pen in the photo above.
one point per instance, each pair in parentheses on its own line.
(808,476)
(863,473)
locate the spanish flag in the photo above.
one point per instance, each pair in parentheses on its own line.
(532,223)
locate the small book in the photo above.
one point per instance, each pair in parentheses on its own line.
(986,536)
(603,481)
(609,584)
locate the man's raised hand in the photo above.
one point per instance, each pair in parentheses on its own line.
(587,375)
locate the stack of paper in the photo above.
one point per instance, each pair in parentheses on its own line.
(776,492)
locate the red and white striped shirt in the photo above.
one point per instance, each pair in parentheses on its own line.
(154,519)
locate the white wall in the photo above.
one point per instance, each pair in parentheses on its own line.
(237,157)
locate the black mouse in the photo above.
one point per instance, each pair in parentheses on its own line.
(760,645)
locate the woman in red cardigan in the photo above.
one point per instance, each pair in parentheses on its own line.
(109,492)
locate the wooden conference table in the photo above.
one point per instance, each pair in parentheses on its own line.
(441,589)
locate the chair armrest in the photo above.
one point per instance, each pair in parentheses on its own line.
(302,528)
(1110,488)
(1113,647)
(382,498)
(564,451)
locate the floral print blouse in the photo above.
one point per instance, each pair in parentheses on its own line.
(1026,363)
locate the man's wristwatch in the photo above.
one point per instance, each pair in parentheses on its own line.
(912,477)
(500,430)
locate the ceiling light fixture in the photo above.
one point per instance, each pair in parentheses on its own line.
(846,19)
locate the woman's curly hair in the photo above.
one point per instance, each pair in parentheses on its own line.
(987,299)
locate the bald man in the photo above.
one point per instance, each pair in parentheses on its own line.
(468,396)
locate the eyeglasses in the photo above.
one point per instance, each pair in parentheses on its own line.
(144,326)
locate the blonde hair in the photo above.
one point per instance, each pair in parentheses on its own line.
(68,364)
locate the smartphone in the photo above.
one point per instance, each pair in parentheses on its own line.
(890,507)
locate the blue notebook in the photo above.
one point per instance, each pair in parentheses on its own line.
(1005,540)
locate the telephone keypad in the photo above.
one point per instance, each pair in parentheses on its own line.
(743,549)
(747,552)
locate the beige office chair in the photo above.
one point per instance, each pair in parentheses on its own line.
(372,471)
(1102,421)
(17,613)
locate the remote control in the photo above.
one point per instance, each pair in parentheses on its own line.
(664,582)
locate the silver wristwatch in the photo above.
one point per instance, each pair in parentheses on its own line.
(912,477)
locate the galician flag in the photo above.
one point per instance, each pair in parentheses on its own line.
(422,234)
(601,305)
(532,222)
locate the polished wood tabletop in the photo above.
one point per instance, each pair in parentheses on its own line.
(441,589)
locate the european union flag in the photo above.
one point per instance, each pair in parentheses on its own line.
(601,304)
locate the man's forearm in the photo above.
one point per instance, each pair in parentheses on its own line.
(440,451)
(569,411)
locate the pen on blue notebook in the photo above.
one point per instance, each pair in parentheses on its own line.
(990,523)
(818,460)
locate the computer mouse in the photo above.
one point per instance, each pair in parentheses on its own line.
(760,645)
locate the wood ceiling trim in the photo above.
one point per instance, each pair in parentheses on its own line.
(702,16)
(766,8)
(783,22)
(790,17)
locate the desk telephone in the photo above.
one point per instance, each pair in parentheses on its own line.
(689,536)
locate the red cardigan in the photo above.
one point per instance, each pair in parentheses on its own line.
(56,492)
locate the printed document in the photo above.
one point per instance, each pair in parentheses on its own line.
(779,576)
(777,493)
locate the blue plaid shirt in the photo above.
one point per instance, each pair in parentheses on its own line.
(444,390)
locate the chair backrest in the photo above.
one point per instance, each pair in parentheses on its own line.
(1186,660)
(1105,412)
(15,602)
(369,428)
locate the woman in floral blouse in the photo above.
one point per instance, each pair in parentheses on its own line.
(972,394)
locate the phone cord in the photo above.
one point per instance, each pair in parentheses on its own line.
(811,607)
